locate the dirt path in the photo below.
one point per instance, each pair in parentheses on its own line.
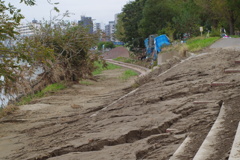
(141,70)
(46,115)
(149,123)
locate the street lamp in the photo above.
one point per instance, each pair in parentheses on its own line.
(51,16)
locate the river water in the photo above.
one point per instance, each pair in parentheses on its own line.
(5,98)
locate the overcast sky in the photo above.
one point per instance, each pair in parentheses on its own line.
(102,11)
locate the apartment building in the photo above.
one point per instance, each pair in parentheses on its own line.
(24,30)
(86,22)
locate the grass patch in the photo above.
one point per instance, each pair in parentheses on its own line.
(10,109)
(125,60)
(25,100)
(50,88)
(235,36)
(53,87)
(128,74)
(134,60)
(85,82)
(198,43)
(100,67)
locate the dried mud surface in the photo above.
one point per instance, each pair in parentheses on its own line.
(82,122)
(116,52)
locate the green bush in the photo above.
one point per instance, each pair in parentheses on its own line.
(215,33)
(106,45)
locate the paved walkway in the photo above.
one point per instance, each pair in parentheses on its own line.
(227,43)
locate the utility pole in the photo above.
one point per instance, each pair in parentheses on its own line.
(51,17)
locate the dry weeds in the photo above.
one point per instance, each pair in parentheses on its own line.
(8,110)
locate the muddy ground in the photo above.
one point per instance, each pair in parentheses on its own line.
(83,123)
(115,53)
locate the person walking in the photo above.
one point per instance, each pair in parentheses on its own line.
(222,31)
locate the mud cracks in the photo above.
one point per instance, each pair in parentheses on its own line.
(98,144)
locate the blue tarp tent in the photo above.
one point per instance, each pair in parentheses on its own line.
(160,41)
(158,44)
(148,49)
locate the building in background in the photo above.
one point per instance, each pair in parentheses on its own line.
(110,30)
(97,27)
(24,30)
(86,22)
(107,32)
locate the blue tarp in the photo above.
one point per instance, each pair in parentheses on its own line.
(148,50)
(158,44)
(160,41)
(118,43)
(146,43)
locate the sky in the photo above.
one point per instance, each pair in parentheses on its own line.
(101,11)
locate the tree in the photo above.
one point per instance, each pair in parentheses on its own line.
(10,19)
(106,45)
(229,10)
(225,10)
(130,18)
(60,49)
(156,15)
(120,30)
(187,16)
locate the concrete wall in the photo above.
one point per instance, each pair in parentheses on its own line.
(163,57)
